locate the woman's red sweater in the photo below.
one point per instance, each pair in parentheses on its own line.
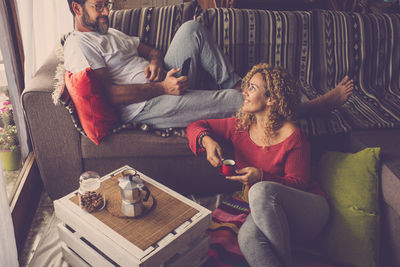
(287,162)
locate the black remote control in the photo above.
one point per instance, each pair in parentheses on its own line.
(185,67)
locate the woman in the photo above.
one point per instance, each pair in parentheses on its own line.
(273,158)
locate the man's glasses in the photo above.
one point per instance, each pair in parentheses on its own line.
(100,7)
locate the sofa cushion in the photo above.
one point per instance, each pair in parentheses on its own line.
(248,37)
(351,181)
(365,47)
(136,143)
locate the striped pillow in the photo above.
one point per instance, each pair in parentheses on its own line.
(248,37)
(365,47)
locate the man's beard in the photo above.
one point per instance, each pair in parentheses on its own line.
(97,26)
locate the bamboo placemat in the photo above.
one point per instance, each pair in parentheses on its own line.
(165,216)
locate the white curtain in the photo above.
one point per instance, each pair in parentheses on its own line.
(42,24)
(8,248)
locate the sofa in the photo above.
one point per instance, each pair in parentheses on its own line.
(318,47)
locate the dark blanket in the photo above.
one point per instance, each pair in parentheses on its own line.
(319,48)
(365,47)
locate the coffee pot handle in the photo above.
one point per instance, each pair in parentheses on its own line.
(146,197)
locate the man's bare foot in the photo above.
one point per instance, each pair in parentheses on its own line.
(339,95)
(332,99)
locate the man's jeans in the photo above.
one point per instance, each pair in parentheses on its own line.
(193,40)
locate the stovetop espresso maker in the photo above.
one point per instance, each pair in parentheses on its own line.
(132,188)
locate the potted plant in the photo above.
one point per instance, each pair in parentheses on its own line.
(9,145)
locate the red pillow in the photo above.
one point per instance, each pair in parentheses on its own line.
(96,114)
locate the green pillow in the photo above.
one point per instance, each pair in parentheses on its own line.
(351,181)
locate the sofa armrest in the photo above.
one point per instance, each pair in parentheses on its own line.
(55,141)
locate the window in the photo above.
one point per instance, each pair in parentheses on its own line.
(11,164)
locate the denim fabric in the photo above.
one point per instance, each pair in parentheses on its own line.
(279,216)
(165,111)
(193,40)
(178,111)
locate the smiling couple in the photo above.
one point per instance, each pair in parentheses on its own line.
(271,153)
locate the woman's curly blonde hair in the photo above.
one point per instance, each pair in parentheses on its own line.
(284,91)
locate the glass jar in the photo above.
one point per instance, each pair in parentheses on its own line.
(90,192)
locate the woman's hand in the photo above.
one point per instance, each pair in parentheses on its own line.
(214,151)
(248,175)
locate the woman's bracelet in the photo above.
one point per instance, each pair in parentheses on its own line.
(200,139)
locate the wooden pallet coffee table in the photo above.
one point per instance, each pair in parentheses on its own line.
(170,233)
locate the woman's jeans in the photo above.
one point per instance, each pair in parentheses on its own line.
(279,216)
(193,40)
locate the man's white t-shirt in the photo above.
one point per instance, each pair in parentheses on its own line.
(115,51)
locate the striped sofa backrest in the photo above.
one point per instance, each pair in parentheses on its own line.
(248,37)
(155,26)
(367,48)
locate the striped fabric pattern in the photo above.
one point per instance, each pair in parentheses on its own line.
(319,48)
(248,37)
(225,223)
(155,26)
(327,124)
(365,47)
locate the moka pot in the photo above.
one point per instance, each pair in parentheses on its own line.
(131,188)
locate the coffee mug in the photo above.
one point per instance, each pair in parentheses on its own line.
(228,167)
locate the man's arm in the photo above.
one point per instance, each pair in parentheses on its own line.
(155,70)
(135,93)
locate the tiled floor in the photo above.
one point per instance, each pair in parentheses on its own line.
(40,224)
(11,178)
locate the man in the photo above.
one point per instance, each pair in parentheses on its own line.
(136,82)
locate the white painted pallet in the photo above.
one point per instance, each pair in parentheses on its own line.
(73,246)
(79,246)
(194,255)
(115,248)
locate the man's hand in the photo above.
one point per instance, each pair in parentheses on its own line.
(214,151)
(173,85)
(154,71)
(248,175)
